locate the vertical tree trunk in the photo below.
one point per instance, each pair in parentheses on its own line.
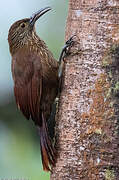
(87,129)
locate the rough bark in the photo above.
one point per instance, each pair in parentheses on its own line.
(87,129)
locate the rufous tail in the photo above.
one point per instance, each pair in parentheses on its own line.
(47,149)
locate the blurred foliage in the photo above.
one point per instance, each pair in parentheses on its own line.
(19,146)
(19,142)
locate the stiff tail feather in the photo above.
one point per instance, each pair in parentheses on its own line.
(47,149)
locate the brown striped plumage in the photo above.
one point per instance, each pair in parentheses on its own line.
(35,74)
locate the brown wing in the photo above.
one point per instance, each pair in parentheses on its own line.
(28,89)
(27,75)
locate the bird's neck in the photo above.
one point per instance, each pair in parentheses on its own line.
(31,41)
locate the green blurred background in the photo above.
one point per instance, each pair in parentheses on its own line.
(19,142)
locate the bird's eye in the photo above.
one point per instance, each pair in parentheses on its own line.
(23,25)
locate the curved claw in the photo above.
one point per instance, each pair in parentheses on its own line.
(70,40)
(65,50)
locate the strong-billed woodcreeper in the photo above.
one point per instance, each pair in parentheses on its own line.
(36,82)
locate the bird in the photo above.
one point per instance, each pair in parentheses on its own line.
(36,81)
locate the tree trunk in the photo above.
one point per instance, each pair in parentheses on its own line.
(87,127)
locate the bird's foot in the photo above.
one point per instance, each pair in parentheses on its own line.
(66,49)
(65,52)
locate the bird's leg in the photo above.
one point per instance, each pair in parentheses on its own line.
(65,52)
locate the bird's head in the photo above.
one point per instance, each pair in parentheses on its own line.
(23,29)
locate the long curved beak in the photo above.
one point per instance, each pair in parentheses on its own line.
(37,15)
